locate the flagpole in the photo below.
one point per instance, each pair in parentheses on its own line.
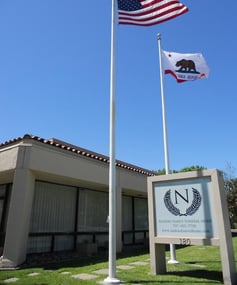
(111,279)
(165,137)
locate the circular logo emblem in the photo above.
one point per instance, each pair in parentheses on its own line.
(190,210)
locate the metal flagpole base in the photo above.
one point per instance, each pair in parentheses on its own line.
(173,261)
(111,280)
(172,255)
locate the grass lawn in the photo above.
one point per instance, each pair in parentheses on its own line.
(198,265)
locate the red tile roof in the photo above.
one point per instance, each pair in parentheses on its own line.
(78,150)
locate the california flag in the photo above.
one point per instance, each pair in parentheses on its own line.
(185,66)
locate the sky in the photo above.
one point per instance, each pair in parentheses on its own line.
(55,81)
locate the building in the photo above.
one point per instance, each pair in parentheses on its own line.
(54,197)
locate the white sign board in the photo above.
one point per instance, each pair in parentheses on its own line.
(189,209)
(183,208)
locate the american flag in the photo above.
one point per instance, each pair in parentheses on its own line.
(148,12)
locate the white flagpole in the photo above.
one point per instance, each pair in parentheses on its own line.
(111,279)
(166,153)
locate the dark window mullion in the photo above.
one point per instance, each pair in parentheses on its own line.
(76,218)
(133,220)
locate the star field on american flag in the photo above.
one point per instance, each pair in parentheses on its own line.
(131,5)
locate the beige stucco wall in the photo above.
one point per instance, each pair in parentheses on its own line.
(71,166)
(8,159)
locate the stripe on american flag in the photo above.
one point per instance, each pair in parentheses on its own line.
(148,12)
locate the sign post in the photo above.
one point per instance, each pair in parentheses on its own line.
(189,208)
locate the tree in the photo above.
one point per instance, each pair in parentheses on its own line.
(185,169)
(192,168)
(230,185)
(231,188)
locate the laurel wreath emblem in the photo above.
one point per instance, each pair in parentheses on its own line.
(197,199)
